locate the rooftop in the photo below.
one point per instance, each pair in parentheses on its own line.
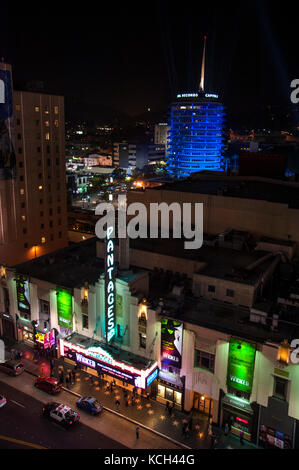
(262,189)
(69,267)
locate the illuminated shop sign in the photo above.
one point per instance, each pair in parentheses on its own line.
(110,285)
(23,298)
(241,359)
(152,377)
(101,361)
(171,342)
(46,339)
(64,308)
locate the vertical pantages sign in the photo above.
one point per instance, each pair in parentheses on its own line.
(171,342)
(110,295)
(23,298)
(64,308)
(241,359)
(7,153)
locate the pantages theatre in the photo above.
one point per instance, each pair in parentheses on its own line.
(132,326)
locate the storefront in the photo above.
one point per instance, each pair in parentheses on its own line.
(25,331)
(238,414)
(203,404)
(276,428)
(46,340)
(100,359)
(170,387)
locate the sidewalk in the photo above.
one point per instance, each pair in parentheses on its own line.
(146,412)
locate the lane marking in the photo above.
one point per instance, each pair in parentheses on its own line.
(19,404)
(24,443)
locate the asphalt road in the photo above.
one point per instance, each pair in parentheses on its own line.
(22,427)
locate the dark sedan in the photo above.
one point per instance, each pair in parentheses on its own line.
(90,404)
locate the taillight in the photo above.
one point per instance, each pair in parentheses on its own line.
(71,422)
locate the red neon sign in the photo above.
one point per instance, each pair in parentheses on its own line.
(242,420)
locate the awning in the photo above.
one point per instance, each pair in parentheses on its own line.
(239,403)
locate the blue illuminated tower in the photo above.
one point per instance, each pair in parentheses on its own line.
(196,132)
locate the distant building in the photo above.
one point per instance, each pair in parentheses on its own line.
(131,155)
(161,133)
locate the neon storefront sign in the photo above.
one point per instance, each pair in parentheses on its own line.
(98,359)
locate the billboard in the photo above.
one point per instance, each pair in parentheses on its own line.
(23,298)
(241,359)
(171,342)
(64,308)
(7,153)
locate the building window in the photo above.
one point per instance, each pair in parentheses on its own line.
(51,223)
(230,293)
(23,218)
(21,164)
(60,234)
(211,289)
(280,388)
(50,211)
(47,136)
(56,109)
(85,321)
(20,150)
(19,137)
(52,238)
(24,230)
(18,107)
(22,192)
(25,245)
(142,340)
(47,123)
(42,226)
(21,178)
(43,239)
(204,360)
(18,122)
(56,124)
(36,109)
(40,188)
(23,205)
(38,149)
(41,201)
(46,110)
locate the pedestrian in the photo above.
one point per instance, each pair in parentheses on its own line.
(171,409)
(67,381)
(137,432)
(213,437)
(111,387)
(190,423)
(167,406)
(117,402)
(242,438)
(187,431)
(226,429)
(70,378)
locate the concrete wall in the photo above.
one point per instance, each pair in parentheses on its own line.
(220,212)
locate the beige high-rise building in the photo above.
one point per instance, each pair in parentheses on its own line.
(33,207)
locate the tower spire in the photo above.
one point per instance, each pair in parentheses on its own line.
(202,78)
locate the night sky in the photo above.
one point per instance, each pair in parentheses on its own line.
(128,56)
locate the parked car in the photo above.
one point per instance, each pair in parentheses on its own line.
(48,384)
(90,404)
(2,401)
(61,414)
(12,367)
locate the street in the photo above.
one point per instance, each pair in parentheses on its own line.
(21,419)
(23,426)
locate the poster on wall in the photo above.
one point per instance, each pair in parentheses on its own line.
(64,308)
(241,359)
(23,298)
(7,153)
(171,342)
